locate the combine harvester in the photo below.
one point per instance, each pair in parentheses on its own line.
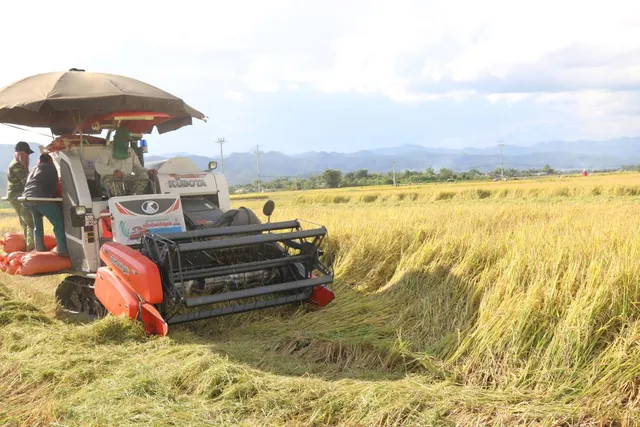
(177,253)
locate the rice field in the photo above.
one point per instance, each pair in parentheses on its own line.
(506,303)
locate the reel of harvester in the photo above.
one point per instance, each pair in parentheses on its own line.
(218,271)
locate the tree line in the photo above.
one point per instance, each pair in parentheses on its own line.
(333,178)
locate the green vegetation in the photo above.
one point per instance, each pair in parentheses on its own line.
(332,178)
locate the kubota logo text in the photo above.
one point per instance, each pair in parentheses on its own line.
(181,183)
(119,265)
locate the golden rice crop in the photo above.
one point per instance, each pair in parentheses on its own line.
(625,184)
(475,303)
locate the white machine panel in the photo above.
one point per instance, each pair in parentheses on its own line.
(134,216)
(188,184)
(180,175)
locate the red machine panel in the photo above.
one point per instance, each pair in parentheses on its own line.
(133,268)
(115,295)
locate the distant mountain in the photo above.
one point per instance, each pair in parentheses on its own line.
(412,148)
(240,168)
(620,147)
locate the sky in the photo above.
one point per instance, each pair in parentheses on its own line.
(349,75)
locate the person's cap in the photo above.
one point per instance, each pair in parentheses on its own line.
(24,147)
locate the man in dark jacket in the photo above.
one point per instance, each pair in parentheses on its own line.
(42,182)
(16,180)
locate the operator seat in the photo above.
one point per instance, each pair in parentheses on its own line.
(102,192)
(95,189)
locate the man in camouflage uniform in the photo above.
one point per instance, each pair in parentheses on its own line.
(119,167)
(16,180)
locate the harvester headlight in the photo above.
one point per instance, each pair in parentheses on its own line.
(78,216)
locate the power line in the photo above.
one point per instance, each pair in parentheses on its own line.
(221,141)
(257,152)
(26,130)
(394,173)
(500,143)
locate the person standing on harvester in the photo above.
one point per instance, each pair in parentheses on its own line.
(119,167)
(16,180)
(43,183)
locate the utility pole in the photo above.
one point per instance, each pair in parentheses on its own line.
(221,141)
(394,173)
(257,152)
(500,143)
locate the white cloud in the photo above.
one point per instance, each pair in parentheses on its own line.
(509,98)
(578,57)
(233,95)
(371,47)
(594,104)
(263,85)
(599,114)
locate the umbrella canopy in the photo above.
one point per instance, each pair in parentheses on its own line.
(61,101)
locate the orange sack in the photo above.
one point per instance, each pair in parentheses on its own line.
(50,241)
(12,262)
(14,242)
(14,256)
(43,262)
(13,267)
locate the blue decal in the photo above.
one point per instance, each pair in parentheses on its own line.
(162,230)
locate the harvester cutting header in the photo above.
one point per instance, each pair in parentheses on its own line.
(161,245)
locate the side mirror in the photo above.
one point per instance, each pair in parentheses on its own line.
(268,208)
(212,165)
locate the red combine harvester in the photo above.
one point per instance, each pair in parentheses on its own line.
(177,253)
